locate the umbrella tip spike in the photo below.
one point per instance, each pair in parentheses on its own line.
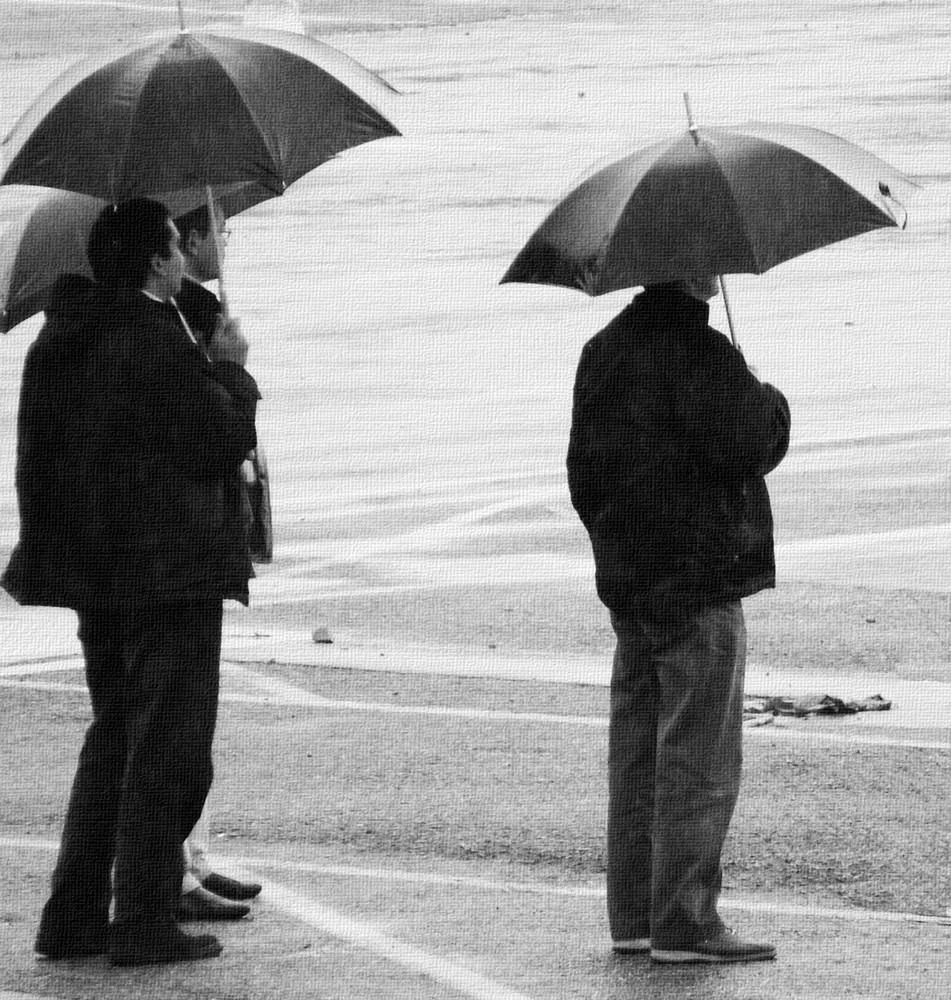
(691,127)
(689,111)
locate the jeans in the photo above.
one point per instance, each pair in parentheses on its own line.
(674,761)
(145,766)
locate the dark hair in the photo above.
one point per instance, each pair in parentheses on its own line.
(196,219)
(125,238)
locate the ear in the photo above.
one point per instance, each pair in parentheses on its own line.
(159,264)
(190,243)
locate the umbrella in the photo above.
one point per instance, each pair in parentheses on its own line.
(710,201)
(213,107)
(43,234)
(176,111)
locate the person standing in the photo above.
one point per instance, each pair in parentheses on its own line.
(671,437)
(206,894)
(128,452)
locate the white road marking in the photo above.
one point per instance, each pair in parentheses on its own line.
(40,666)
(241,865)
(364,935)
(278,692)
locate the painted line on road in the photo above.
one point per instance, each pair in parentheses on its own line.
(278,692)
(336,924)
(42,664)
(364,935)
(242,865)
(744,903)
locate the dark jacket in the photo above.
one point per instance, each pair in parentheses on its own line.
(128,450)
(201,309)
(671,437)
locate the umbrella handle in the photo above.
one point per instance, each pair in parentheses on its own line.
(219,251)
(729,312)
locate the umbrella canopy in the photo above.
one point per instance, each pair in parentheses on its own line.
(710,201)
(43,234)
(178,111)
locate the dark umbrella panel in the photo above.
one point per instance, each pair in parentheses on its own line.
(190,109)
(710,201)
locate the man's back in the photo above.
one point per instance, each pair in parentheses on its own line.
(145,474)
(671,436)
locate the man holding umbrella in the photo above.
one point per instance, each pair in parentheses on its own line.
(129,448)
(671,437)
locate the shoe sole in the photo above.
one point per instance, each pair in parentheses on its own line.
(635,947)
(197,918)
(685,957)
(165,959)
(59,956)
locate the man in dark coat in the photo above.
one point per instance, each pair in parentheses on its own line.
(199,305)
(671,437)
(206,894)
(129,446)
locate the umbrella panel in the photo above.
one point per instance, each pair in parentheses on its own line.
(43,234)
(720,202)
(198,108)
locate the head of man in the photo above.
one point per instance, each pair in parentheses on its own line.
(703,286)
(198,242)
(135,245)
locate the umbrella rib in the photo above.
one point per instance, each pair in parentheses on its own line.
(275,164)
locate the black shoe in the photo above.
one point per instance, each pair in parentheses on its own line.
(76,942)
(727,946)
(71,932)
(200,904)
(229,888)
(153,944)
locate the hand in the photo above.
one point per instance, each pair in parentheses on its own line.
(228,343)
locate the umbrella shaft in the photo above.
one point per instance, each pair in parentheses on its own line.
(729,312)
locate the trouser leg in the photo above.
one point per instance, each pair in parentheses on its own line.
(196,845)
(173,655)
(631,762)
(700,665)
(81,883)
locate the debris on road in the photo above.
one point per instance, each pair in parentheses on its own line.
(813,704)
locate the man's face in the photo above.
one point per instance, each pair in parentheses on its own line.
(169,270)
(202,253)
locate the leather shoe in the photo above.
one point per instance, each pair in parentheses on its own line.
(200,904)
(727,946)
(229,888)
(144,944)
(74,943)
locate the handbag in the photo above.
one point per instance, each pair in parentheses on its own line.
(258,492)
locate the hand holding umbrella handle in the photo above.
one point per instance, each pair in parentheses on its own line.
(228,343)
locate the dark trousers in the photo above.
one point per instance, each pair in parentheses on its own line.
(674,760)
(145,767)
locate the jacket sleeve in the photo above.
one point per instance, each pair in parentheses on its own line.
(199,416)
(39,446)
(734,424)
(587,460)
(579,479)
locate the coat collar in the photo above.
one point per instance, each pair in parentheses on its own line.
(670,300)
